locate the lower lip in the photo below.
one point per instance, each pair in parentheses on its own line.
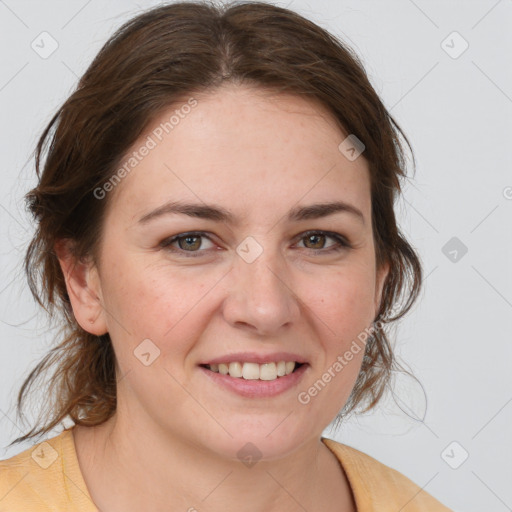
(257,388)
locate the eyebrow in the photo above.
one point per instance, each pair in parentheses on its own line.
(220,214)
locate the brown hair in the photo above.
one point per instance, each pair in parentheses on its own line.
(152,60)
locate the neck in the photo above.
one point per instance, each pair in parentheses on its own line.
(130,465)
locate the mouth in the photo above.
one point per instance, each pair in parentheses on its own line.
(253,371)
(254,380)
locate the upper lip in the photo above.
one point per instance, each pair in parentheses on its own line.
(253,357)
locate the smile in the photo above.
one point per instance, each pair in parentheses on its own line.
(255,371)
(253,380)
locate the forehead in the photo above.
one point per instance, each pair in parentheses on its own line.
(243,147)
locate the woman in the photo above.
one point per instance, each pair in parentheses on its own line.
(215,222)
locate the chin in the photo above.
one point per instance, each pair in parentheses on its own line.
(258,438)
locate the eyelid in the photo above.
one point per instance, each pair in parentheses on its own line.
(342,241)
(170,240)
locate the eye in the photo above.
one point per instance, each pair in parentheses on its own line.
(315,240)
(187,242)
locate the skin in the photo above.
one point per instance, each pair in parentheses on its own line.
(176,435)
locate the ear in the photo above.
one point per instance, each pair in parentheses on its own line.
(84,290)
(382,273)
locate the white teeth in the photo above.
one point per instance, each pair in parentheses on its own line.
(250,371)
(235,370)
(269,371)
(254,371)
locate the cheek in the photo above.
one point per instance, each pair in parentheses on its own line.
(342,309)
(344,301)
(155,302)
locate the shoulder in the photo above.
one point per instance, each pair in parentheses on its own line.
(44,477)
(378,487)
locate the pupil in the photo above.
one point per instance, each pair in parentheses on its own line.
(188,242)
(313,237)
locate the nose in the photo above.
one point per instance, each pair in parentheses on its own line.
(260,296)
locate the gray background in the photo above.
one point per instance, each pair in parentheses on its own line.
(457,112)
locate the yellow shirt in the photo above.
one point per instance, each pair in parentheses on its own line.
(47,478)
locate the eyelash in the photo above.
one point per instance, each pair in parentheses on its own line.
(343,243)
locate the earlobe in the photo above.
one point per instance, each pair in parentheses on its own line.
(84,290)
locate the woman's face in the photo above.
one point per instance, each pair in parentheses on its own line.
(242,170)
